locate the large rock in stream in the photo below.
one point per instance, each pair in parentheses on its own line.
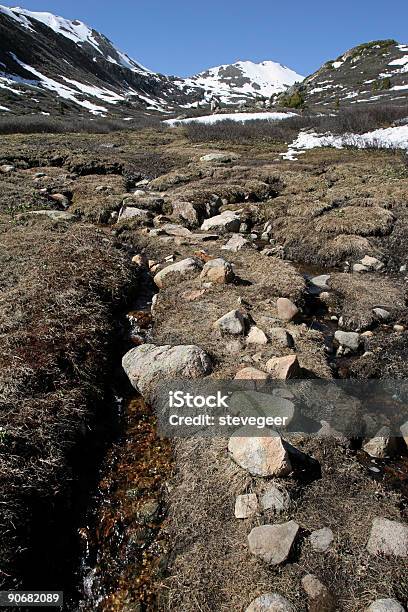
(149,365)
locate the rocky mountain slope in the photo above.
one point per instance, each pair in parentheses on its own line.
(370,73)
(51,65)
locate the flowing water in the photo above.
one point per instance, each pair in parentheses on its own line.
(123,540)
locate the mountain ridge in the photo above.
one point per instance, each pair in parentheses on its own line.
(68,64)
(51,65)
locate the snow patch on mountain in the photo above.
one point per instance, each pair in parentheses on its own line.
(61,90)
(230,82)
(75,30)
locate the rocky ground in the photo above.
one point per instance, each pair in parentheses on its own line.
(264,269)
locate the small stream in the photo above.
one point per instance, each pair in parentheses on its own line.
(123,546)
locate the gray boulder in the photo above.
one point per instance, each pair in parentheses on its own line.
(217,271)
(321,539)
(181,268)
(270,602)
(221,158)
(320,598)
(148,365)
(385,605)
(266,456)
(232,323)
(350,340)
(273,543)
(246,506)
(228,221)
(388,538)
(382,445)
(235,243)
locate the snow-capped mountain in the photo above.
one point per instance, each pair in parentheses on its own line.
(243,80)
(51,65)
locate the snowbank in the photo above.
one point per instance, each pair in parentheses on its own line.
(393,138)
(239,117)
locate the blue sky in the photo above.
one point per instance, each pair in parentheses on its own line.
(184,37)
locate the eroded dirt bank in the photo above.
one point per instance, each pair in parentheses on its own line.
(323,214)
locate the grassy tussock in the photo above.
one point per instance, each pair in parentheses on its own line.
(61,285)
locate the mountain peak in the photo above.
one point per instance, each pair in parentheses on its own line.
(245,79)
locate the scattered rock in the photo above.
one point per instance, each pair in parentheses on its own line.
(327,431)
(6,169)
(372,263)
(321,539)
(350,340)
(60,198)
(267,456)
(217,271)
(228,221)
(256,336)
(276,499)
(172,229)
(182,268)
(359,268)
(132,212)
(187,211)
(382,314)
(149,364)
(232,323)
(320,599)
(385,605)
(283,368)
(382,445)
(222,158)
(55,215)
(270,602)
(388,538)
(281,337)
(251,374)
(140,260)
(273,543)
(246,506)
(287,310)
(320,282)
(235,243)
(399,328)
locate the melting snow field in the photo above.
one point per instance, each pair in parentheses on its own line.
(393,138)
(239,117)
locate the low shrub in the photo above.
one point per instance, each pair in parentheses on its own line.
(39,124)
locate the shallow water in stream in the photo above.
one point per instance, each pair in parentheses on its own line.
(123,546)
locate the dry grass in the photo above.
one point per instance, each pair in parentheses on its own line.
(358,294)
(373,221)
(61,287)
(212,568)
